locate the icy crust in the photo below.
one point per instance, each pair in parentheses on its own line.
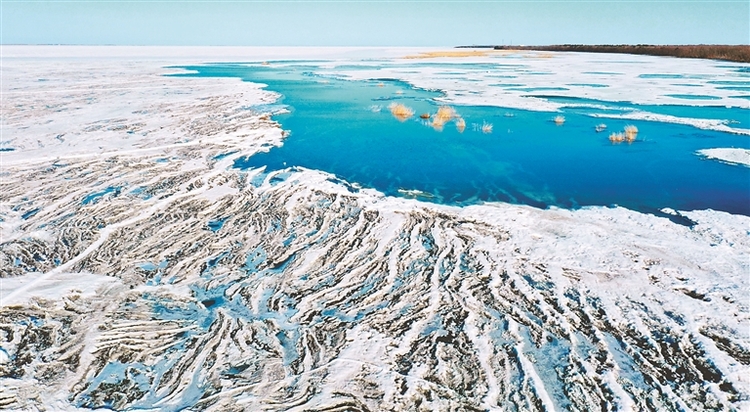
(728,155)
(90,109)
(196,285)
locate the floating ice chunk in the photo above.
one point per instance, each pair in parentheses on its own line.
(414,193)
(727,155)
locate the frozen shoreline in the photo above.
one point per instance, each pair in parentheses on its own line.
(325,289)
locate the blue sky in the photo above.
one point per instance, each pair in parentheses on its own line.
(373,22)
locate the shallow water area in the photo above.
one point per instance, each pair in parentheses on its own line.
(344,127)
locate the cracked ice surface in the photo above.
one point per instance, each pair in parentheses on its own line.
(140,271)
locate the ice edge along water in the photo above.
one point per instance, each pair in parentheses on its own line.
(728,155)
(315,294)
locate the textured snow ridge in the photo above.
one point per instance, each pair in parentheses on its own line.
(150,275)
(728,155)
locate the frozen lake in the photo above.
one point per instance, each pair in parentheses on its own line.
(339,118)
(160,252)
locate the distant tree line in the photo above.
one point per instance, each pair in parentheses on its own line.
(738,53)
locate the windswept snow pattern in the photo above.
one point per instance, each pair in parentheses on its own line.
(183,283)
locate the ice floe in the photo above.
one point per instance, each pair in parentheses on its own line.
(728,155)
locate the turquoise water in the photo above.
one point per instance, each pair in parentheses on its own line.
(538,89)
(730,82)
(736,88)
(588,85)
(94,197)
(693,96)
(662,76)
(345,128)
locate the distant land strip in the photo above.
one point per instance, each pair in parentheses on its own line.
(734,53)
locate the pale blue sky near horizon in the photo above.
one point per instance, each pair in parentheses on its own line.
(373,22)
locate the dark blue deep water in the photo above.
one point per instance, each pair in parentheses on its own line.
(336,127)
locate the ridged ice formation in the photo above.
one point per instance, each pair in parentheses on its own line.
(164,279)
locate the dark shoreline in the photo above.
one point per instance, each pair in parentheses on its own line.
(733,53)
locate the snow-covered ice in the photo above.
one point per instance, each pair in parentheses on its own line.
(316,295)
(728,155)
